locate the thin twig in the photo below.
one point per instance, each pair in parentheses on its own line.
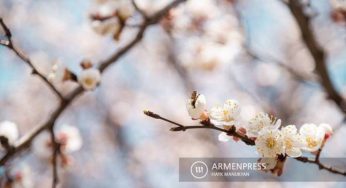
(26,141)
(244,138)
(55,154)
(297,76)
(25,58)
(248,50)
(144,14)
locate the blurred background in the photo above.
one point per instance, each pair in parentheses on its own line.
(247,50)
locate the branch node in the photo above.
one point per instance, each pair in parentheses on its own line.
(151,114)
(178,129)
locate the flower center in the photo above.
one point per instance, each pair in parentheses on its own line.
(270,142)
(89,81)
(311,142)
(288,143)
(226,115)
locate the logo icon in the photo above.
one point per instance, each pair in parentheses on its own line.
(199,170)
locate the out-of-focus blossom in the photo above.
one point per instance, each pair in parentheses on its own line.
(313,135)
(293,142)
(269,142)
(228,114)
(260,121)
(338,12)
(67,136)
(125,10)
(21,177)
(196,106)
(89,78)
(105,27)
(201,9)
(338,4)
(267,74)
(59,73)
(106,7)
(10,131)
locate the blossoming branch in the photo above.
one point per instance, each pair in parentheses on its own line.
(274,142)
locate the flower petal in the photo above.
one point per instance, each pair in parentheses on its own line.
(223,137)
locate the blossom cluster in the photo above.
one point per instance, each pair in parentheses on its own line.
(89,78)
(270,137)
(111,17)
(67,137)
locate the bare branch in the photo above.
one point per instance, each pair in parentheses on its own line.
(155,18)
(55,154)
(26,59)
(49,124)
(317,52)
(297,76)
(145,16)
(6,29)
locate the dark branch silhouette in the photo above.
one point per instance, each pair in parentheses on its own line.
(317,52)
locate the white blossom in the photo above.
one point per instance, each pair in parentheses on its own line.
(70,138)
(89,78)
(293,142)
(223,137)
(67,136)
(228,114)
(269,142)
(125,10)
(260,121)
(21,176)
(313,136)
(57,72)
(270,163)
(10,131)
(196,107)
(106,27)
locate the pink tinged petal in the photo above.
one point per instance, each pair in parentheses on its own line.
(308,129)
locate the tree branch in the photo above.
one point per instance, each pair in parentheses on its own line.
(247,47)
(25,142)
(317,52)
(55,154)
(26,59)
(145,16)
(244,138)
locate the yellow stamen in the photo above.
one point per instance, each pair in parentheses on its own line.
(89,81)
(270,142)
(311,142)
